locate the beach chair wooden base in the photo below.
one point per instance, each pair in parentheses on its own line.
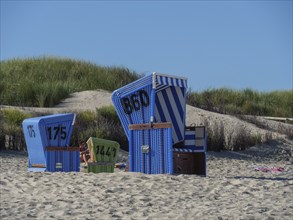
(189,163)
(100,167)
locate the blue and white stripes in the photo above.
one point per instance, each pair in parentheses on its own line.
(163,79)
(170,103)
(195,139)
(170,107)
(189,139)
(187,150)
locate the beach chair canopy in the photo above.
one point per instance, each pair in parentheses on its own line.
(153,98)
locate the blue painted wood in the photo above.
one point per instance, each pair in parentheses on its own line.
(159,158)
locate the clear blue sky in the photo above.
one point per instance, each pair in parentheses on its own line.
(242,44)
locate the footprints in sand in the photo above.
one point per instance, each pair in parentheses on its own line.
(231,190)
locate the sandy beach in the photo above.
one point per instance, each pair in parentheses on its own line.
(232,189)
(253,184)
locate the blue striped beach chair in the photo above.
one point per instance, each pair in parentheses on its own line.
(47,139)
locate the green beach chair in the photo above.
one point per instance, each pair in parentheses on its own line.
(103,155)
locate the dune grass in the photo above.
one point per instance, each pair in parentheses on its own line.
(247,102)
(102,123)
(11,133)
(45,81)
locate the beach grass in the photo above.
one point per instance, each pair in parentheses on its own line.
(45,81)
(244,102)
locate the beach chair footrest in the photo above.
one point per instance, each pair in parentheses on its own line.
(62,148)
(38,166)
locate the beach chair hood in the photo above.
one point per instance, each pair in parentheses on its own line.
(153,98)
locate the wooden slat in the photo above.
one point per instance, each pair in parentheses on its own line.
(101,163)
(39,165)
(149,126)
(49,148)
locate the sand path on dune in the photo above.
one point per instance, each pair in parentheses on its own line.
(90,100)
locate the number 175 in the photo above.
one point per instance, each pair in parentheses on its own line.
(56,131)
